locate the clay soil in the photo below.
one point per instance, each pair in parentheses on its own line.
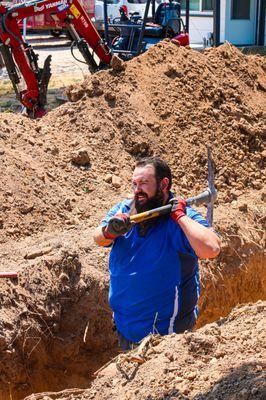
(59,175)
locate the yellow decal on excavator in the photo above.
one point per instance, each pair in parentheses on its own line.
(75,11)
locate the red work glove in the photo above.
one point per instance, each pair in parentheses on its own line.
(179,209)
(117,226)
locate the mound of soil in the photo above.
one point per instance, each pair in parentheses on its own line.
(223,361)
(171,101)
(60,175)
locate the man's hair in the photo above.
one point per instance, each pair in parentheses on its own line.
(162,169)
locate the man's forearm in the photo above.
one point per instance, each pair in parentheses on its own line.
(99,237)
(204,241)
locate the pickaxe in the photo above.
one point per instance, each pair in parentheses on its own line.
(207,197)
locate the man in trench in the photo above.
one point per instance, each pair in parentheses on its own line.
(154,273)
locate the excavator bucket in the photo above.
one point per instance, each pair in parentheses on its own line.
(44,81)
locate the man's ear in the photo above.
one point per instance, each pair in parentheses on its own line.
(164,183)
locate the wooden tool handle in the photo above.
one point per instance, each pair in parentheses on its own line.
(8,275)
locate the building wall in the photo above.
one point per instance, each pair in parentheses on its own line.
(199,27)
(222,21)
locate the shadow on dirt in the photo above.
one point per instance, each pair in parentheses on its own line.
(244,383)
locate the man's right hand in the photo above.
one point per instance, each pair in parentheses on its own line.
(117,226)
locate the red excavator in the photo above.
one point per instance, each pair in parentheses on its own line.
(20,59)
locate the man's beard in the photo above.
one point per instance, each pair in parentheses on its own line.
(150,203)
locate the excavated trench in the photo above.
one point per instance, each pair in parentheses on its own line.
(58,326)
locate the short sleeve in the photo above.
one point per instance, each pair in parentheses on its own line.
(196,216)
(179,239)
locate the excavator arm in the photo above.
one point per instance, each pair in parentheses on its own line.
(20,59)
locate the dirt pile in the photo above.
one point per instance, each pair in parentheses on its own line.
(59,175)
(175,101)
(223,360)
(170,101)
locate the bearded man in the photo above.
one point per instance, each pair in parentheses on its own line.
(154,273)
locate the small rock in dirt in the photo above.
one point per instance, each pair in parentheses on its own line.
(31,141)
(257,184)
(110,96)
(117,64)
(243,207)
(263,196)
(67,204)
(169,355)
(235,193)
(51,175)
(215,112)
(96,128)
(75,143)
(191,376)
(54,150)
(116,181)
(38,253)
(81,157)
(108,178)
(26,208)
(63,277)
(172,72)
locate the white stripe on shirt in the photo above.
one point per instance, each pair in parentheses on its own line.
(172,319)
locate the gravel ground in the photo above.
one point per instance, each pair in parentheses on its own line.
(62,62)
(65,71)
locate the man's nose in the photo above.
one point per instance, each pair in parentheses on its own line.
(137,189)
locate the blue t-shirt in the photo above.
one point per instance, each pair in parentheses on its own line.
(154,280)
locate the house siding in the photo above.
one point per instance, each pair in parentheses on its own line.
(222,20)
(199,27)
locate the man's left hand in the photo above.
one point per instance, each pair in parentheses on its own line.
(117,226)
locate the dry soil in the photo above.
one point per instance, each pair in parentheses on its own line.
(60,175)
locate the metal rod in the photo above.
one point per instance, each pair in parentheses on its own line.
(125,26)
(126,52)
(143,26)
(153,10)
(187,16)
(216,22)
(105,18)
(24,29)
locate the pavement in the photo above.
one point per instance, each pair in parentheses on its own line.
(45,40)
(62,60)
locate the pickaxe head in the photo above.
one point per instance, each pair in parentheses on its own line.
(209,195)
